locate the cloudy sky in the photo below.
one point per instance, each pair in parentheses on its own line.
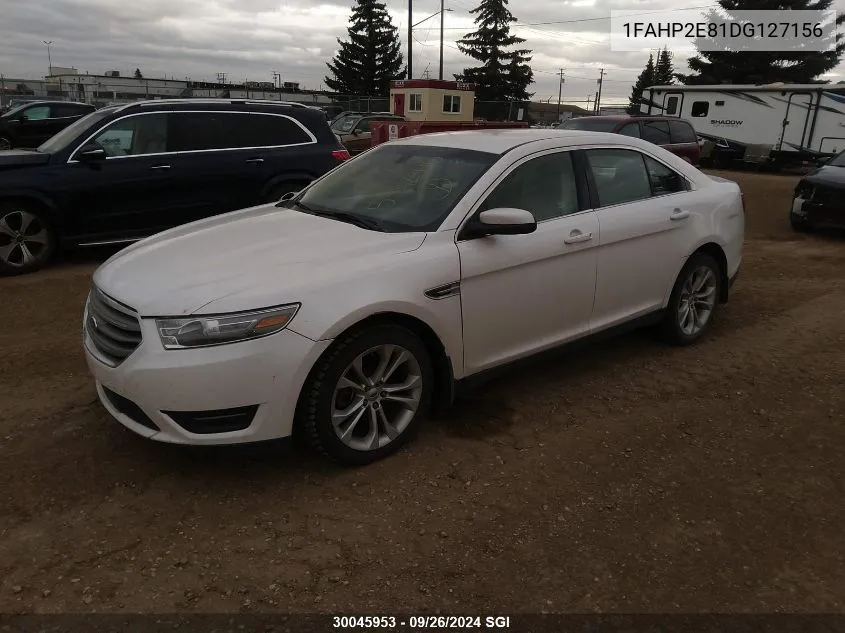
(250,39)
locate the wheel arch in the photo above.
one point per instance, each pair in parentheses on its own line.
(444,382)
(718,253)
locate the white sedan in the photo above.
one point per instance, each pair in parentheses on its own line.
(347,310)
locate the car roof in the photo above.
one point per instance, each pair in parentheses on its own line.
(52,101)
(499,141)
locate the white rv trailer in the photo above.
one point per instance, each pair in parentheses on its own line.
(772,124)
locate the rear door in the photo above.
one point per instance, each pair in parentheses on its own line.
(685,141)
(657,132)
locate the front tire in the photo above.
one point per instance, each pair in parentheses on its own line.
(27,242)
(367,397)
(5,143)
(693,301)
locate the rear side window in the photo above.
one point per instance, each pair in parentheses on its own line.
(620,175)
(196,131)
(631,129)
(682,132)
(64,110)
(261,130)
(663,180)
(656,132)
(37,113)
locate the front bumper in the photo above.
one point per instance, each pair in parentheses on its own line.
(255,383)
(830,213)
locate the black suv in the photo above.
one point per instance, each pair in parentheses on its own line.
(32,123)
(125,172)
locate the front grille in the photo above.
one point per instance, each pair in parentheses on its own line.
(112,327)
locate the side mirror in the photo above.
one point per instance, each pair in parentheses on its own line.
(91,154)
(290,195)
(503,221)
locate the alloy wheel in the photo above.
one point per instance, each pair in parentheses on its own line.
(377,397)
(24,239)
(697,300)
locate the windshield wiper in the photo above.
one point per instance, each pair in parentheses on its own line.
(342,216)
(351,218)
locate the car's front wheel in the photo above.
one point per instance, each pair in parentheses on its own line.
(694,300)
(26,240)
(5,143)
(367,396)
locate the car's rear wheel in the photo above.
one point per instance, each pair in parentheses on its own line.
(5,143)
(27,241)
(694,300)
(368,395)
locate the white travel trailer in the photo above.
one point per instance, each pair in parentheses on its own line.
(773,124)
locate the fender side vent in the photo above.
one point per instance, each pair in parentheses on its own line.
(444,291)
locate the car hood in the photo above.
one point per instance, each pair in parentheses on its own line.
(827,175)
(244,260)
(19,158)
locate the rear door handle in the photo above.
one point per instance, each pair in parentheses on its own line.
(679,214)
(577,236)
(160,167)
(255,161)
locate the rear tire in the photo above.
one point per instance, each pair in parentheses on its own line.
(27,241)
(693,302)
(367,397)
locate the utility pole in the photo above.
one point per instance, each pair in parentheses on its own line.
(559,93)
(2,90)
(410,39)
(49,58)
(598,96)
(589,100)
(442,18)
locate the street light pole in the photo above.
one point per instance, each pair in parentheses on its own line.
(49,58)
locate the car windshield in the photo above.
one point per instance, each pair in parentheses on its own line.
(68,135)
(13,110)
(838,160)
(345,123)
(584,123)
(401,188)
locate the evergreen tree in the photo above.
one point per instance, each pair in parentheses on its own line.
(664,72)
(646,79)
(371,58)
(755,67)
(504,73)
(138,74)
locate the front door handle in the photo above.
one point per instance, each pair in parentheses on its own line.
(679,214)
(160,167)
(255,161)
(577,237)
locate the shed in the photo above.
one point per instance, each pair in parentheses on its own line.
(432,100)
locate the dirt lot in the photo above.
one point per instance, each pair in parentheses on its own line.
(628,477)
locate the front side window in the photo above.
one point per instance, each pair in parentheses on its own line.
(656,132)
(415,103)
(620,175)
(135,136)
(545,186)
(37,113)
(363,126)
(452,104)
(631,129)
(663,180)
(405,188)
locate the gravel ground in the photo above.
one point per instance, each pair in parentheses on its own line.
(625,477)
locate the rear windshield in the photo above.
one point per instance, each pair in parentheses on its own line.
(589,125)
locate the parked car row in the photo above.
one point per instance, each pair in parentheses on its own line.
(122,173)
(344,312)
(32,123)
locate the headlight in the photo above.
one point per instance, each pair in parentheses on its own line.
(201,331)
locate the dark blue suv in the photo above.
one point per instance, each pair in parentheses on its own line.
(125,172)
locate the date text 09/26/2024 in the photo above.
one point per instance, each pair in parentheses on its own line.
(421,622)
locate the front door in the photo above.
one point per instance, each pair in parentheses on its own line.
(399,104)
(35,127)
(647,229)
(524,293)
(673,103)
(795,121)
